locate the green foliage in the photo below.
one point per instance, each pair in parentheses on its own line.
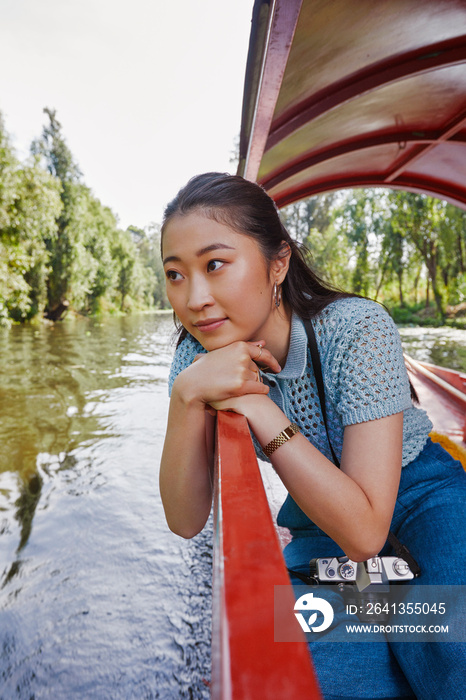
(60,246)
(68,258)
(124,254)
(391,245)
(148,244)
(29,207)
(312,222)
(53,148)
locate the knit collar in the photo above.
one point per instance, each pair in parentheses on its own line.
(296,359)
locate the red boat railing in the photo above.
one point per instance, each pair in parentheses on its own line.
(453,383)
(450,386)
(248,564)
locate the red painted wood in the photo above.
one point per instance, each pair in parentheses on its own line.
(353,146)
(313,187)
(448,132)
(362,101)
(375,76)
(446,411)
(456,379)
(283,18)
(248,564)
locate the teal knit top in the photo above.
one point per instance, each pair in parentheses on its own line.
(364,375)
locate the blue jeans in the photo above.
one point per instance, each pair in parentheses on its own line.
(430,519)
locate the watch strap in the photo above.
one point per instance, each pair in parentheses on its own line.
(281,438)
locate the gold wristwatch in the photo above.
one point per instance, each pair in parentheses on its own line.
(281,438)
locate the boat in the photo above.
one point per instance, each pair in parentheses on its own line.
(338,93)
(442,392)
(352,93)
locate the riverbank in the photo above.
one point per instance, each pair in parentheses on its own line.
(420,315)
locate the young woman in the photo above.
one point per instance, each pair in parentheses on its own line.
(241,290)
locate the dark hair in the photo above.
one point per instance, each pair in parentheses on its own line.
(245,207)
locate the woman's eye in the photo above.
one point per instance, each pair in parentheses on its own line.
(173,275)
(213,265)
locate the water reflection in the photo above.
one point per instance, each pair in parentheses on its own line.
(54,384)
(443,346)
(97,597)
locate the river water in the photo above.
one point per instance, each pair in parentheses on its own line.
(98,599)
(441,346)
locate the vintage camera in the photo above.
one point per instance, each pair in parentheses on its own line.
(363,584)
(374,570)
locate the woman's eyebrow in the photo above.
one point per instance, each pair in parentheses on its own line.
(200,253)
(213,246)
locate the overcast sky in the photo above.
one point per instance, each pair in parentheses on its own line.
(148,92)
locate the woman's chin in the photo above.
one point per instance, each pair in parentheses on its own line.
(211,343)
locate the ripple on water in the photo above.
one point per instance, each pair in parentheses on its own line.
(97,597)
(442,346)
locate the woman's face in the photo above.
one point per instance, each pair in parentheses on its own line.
(217,281)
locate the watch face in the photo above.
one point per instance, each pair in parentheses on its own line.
(291,430)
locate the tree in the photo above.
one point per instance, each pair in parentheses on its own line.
(381,243)
(312,222)
(418,217)
(452,231)
(125,255)
(65,246)
(29,206)
(355,218)
(149,252)
(89,256)
(302,217)
(60,245)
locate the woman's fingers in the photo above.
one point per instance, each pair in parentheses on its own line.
(238,404)
(256,373)
(263,357)
(227,372)
(256,388)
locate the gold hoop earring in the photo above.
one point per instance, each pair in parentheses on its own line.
(277,294)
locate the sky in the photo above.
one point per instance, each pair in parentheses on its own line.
(148,92)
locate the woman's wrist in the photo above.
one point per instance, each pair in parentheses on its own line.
(185,392)
(265,418)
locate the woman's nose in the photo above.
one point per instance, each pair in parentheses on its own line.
(199,295)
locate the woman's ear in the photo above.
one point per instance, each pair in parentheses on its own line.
(280,265)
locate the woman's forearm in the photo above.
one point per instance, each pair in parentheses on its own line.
(186,471)
(186,467)
(331,499)
(354,504)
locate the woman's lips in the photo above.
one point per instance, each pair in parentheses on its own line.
(210,324)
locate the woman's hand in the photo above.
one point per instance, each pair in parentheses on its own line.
(247,405)
(228,372)
(186,472)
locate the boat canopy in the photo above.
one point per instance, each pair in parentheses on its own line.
(356,93)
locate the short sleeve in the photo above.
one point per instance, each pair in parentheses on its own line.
(372,380)
(184,355)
